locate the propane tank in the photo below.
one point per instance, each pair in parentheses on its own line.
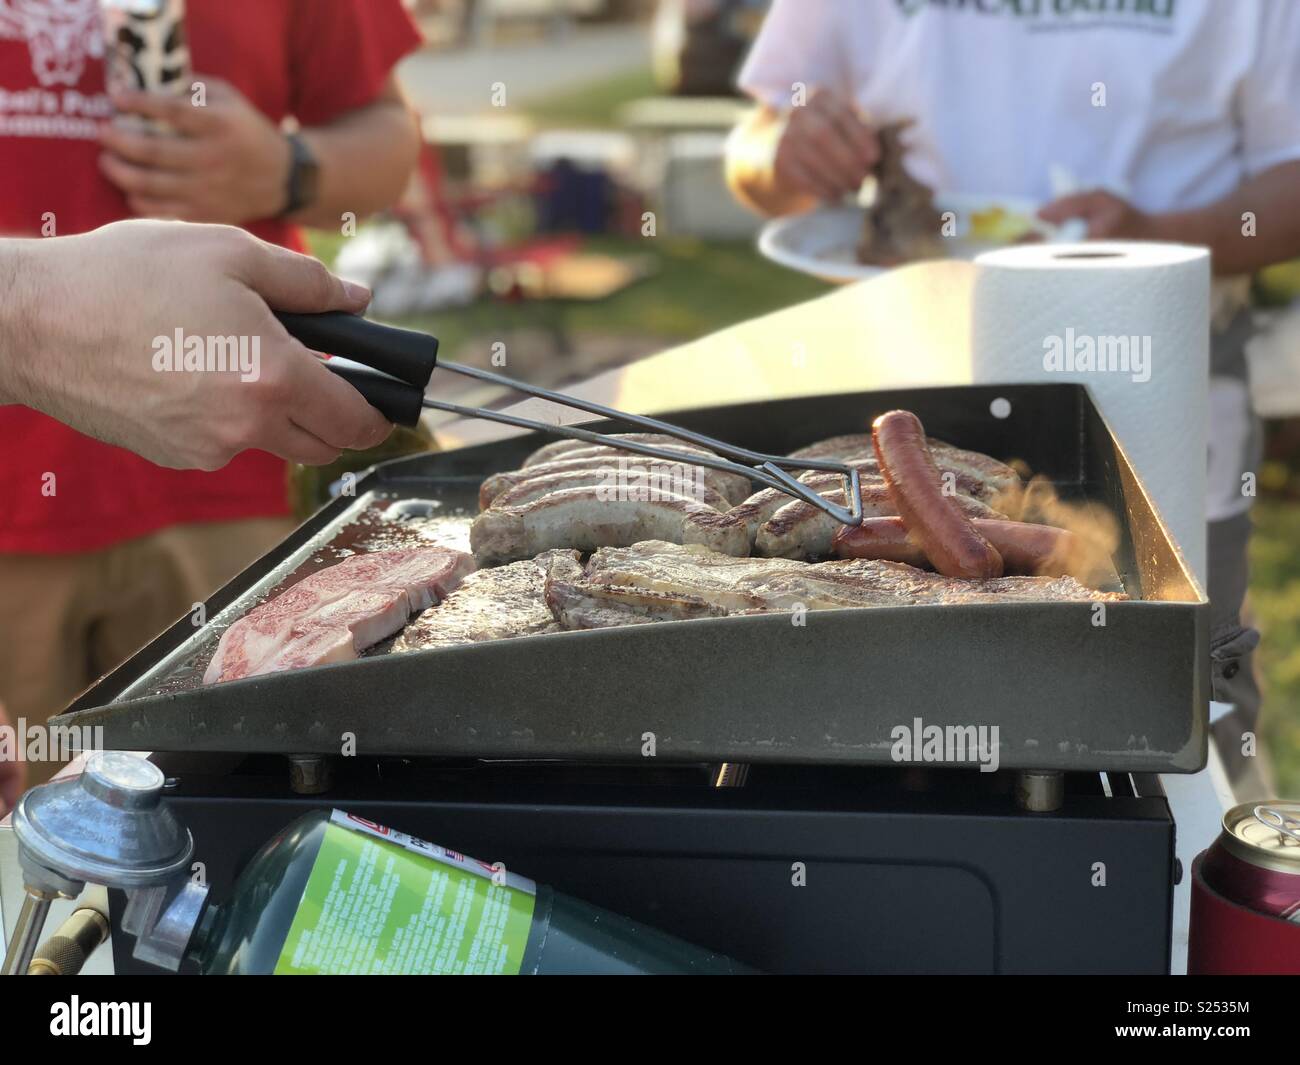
(334,893)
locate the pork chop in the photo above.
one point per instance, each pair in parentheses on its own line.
(493,604)
(665,582)
(336,613)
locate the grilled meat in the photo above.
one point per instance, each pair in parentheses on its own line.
(732,486)
(975,474)
(902,225)
(585,519)
(800,530)
(493,604)
(664,582)
(336,613)
(567,449)
(636,479)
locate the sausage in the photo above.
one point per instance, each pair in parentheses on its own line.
(1034,550)
(946,535)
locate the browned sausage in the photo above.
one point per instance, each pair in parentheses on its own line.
(946,535)
(1037,550)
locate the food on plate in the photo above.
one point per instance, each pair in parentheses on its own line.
(902,223)
(731,485)
(493,604)
(800,530)
(1039,550)
(336,613)
(656,581)
(566,448)
(997,224)
(586,519)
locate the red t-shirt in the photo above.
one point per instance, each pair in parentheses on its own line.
(313,59)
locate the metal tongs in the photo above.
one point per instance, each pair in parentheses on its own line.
(405,360)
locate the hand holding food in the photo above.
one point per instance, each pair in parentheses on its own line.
(825,149)
(84,318)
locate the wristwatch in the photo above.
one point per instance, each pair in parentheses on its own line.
(304,176)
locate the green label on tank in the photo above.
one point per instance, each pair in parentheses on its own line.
(380,901)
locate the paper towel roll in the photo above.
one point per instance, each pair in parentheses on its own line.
(1132,322)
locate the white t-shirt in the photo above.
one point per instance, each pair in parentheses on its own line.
(1167,103)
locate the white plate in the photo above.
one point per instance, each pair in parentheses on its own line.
(823,242)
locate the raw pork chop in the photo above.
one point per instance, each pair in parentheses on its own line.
(336,613)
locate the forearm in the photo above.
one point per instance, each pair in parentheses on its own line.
(1257,225)
(751,166)
(17,320)
(365,159)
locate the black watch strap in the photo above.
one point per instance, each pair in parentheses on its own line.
(304,173)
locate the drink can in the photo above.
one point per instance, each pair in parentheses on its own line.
(146,49)
(1255,862)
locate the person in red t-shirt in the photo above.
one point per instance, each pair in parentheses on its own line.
(99,548)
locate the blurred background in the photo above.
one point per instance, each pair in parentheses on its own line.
(570,215)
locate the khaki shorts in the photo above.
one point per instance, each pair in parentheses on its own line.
(66,620)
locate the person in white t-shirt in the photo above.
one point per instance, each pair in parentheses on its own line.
(1180,120)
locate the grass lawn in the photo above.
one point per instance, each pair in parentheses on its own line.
(1275,600)
(594,105)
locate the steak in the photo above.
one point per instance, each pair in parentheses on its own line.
(336,613)
(656,581)
(493,604)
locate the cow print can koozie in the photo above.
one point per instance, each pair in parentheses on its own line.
(145,49)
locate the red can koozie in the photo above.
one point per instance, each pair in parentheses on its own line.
(1227,938)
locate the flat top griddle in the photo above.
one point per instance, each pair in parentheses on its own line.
(1063,690)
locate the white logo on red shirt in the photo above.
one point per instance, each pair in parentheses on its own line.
(60,34)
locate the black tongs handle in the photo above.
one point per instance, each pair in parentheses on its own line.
(400,403)
(402,353)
